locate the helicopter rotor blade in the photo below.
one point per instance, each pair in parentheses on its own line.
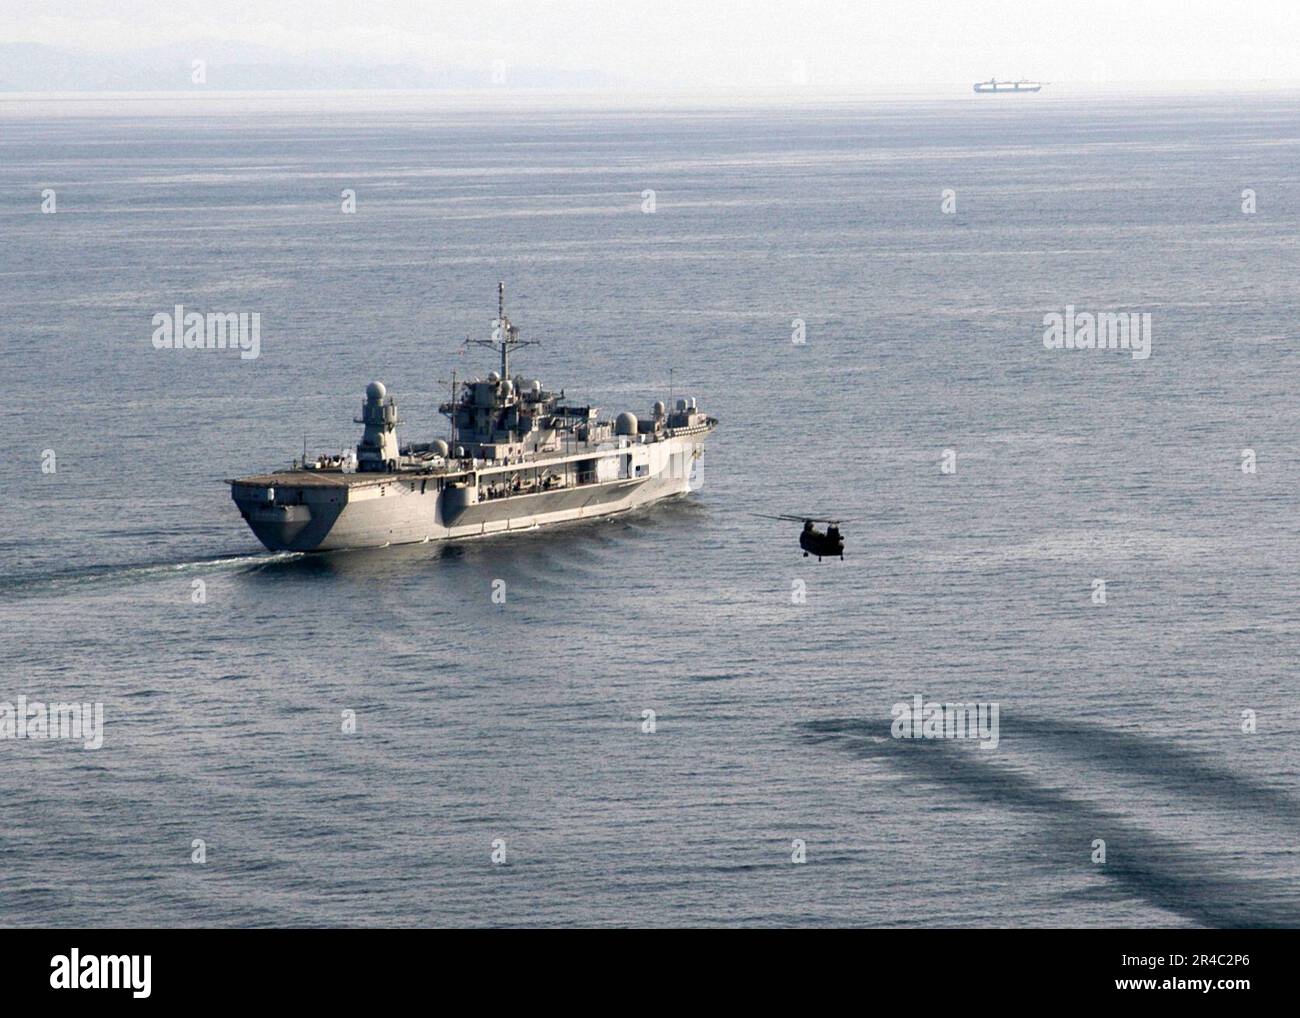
(797,518)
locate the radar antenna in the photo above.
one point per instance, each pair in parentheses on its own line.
(505,336)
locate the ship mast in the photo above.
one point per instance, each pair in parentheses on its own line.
(503,323)
(504,335)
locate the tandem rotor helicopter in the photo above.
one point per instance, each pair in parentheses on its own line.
(823,543)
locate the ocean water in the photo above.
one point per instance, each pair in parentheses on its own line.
(521,722)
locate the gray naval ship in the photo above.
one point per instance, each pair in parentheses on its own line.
(1023,85)
(519,456)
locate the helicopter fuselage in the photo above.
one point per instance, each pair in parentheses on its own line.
(823,544)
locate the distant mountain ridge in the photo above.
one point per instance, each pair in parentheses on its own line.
(35,67)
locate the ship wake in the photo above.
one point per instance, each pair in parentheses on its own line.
(111,574)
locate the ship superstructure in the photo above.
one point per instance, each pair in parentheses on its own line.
(1023,85)
(519,456)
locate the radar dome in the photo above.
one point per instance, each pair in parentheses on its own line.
(375,391)
(659,408)
(440,447)
(494,377)
(625,424)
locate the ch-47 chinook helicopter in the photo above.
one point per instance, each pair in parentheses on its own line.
(823,543)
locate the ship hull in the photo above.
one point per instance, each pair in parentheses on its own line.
(411,510)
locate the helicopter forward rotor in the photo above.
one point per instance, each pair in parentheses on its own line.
(804,519)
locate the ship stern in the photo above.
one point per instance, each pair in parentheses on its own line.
(285,516)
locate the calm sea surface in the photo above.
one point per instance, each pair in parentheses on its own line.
(476,721)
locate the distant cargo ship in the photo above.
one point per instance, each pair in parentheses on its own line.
(993,85)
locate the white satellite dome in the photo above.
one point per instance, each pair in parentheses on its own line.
(375,391)
(625,423)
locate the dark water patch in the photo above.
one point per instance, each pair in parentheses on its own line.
(1160,871)
(1191,775)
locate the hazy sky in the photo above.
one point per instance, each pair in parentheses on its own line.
(720,43)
